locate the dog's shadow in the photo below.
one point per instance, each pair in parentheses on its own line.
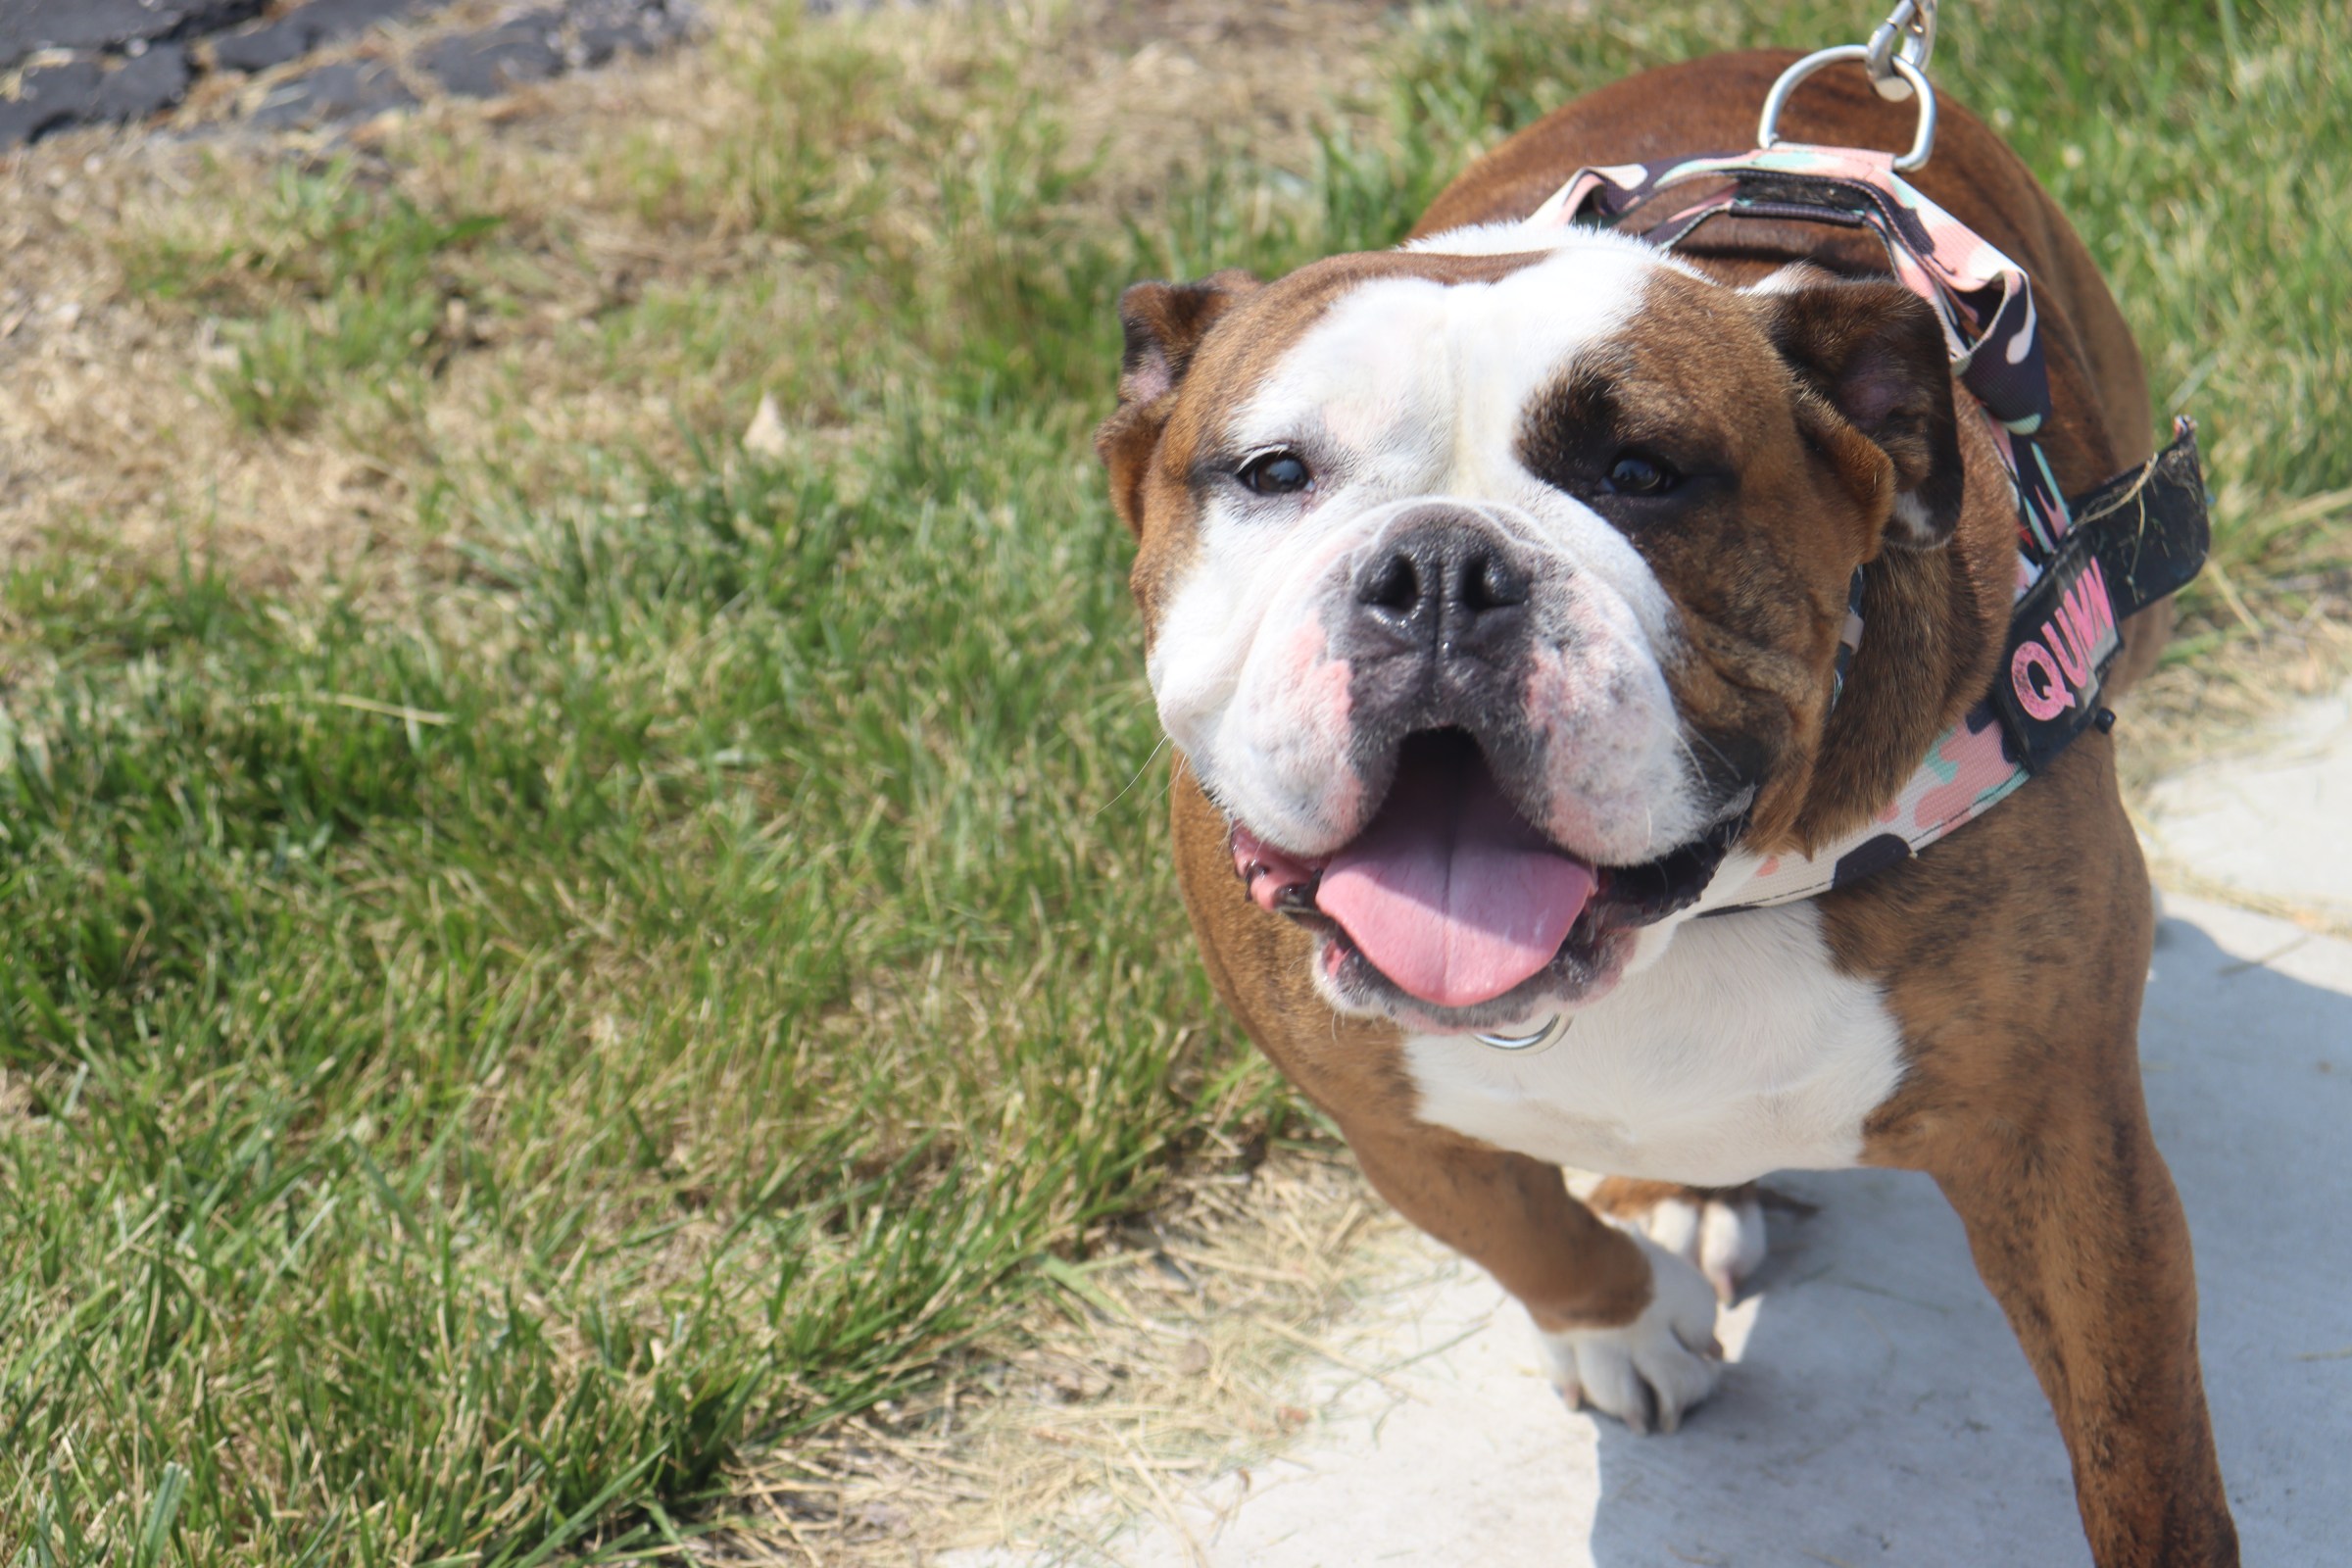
(1883,1413)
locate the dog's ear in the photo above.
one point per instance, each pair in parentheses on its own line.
(1873,353)
(1164,323)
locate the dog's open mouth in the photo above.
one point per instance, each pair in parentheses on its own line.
(1453,898)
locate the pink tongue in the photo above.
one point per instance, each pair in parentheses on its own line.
(1449,893)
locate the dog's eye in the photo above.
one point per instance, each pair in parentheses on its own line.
(1634,474)
(1275,473)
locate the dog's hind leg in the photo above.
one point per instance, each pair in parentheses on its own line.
(1716,1230)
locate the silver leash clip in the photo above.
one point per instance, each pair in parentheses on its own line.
(1911,25)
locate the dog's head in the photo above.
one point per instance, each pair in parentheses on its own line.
(1489,591)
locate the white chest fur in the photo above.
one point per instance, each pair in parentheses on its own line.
(1741,1051)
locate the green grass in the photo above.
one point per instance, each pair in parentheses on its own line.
(346,287)
(472,1067)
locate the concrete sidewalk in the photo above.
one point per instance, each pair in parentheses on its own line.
(1880,1411)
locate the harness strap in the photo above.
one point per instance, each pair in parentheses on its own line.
(2143,533)
(2140,536)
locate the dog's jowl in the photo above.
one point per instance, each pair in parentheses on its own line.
(1499,596)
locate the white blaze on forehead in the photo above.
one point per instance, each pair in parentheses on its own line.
(1412,371)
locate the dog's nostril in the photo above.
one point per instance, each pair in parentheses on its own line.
(1488,582)
(1396,585)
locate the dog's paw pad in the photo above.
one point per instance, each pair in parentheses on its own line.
(1649,1372)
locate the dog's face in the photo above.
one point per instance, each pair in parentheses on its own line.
(1492,591)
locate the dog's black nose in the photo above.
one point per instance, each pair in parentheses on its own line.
(1446,586)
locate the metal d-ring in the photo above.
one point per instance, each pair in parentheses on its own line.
(1922,144)
(1550,1030)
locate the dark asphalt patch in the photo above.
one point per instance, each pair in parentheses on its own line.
(110,25)
(50,96)
(144,84)
(308,28)
(483,65)
(129,60)
(349,91)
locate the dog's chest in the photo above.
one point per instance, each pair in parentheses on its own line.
(1741,1051)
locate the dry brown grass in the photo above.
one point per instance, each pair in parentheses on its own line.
(2215,705)
(1172,1357)
(608,318)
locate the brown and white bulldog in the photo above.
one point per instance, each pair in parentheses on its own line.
(1491,583)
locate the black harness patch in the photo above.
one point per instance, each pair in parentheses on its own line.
(2141,535)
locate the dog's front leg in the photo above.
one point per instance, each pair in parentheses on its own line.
(2077,1229)
(1627,1327)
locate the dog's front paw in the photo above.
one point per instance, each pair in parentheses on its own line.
(1649,1371)
(1719,1230)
